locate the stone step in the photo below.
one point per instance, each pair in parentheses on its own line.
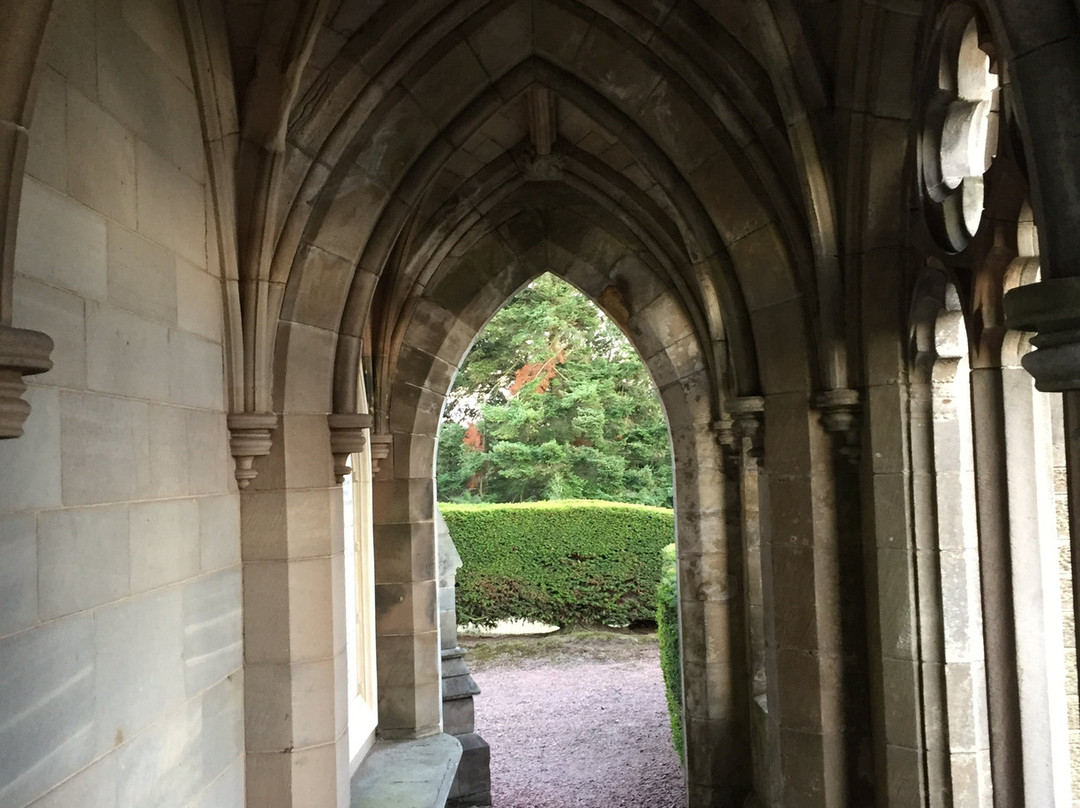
(407,774)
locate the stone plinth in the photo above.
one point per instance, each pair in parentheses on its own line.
(472,786)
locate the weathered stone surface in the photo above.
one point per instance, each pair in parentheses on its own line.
(84,557)
(124,354)
(55,661)
(100,160)
(106,452)
(212,630)
(61,242)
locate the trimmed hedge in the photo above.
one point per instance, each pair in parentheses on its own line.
(569,562)
(667,632)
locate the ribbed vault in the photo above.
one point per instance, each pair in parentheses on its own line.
(374,137)
(403,168)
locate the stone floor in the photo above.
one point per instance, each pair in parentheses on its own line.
(577,724)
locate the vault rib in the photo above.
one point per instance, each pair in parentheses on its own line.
(543,120)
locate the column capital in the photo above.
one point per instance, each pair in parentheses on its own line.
(840,412)
(249,437)
(724,433)
(381,444)
(1051,309)
(747,414)
(730,446)
(348,434)
(22,353)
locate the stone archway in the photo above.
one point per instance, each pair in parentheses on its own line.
(386,184)
(435,342)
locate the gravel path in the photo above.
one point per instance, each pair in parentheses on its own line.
(582,725)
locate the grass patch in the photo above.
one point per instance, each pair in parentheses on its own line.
(565,646)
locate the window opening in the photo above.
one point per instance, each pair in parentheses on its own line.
(359,600)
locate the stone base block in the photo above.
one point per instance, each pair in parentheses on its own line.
(472,786)
(459,716)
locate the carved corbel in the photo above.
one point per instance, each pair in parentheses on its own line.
(249,437)
(22,353)
(839,414)
(725,434)
(348,434)
(729,444)
(747,415)
(381,444)
(724,431)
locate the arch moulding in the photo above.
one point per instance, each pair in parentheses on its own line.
(441,326)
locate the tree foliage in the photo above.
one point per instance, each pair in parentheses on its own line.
(563,408)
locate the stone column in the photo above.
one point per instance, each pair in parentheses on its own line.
(840,415)
(801,581)
(742,464)
(952,650)
(472,784)
(897,699)
(295,672)
(1051,308)
(928,608)
(992,493)
(712,627)
(406,610)
(1037,624)
(1014,442)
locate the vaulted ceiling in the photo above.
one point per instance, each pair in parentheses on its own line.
(372,148)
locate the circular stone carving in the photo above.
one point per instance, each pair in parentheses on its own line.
(960,129)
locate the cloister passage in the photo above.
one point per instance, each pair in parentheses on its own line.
(611,158)
(244,243)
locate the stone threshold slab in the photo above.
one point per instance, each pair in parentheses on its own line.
(406,774)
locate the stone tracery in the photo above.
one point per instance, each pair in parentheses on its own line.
(961,128)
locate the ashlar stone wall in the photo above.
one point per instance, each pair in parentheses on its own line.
(120,588)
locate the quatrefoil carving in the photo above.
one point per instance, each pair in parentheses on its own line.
(960,129)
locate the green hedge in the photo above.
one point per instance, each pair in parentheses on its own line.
(667,630)
(568,562)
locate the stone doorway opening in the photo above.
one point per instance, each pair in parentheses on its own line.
(551,401)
